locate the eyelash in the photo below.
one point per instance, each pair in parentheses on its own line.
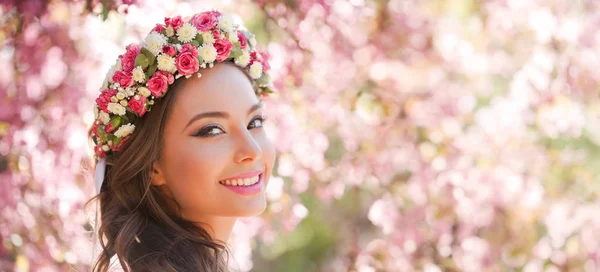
(204,132)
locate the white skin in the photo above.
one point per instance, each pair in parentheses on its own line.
(198,153)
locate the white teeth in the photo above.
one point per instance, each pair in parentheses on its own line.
(240,182)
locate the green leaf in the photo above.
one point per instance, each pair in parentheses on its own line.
(267,90)
(235,52)
(103,135)
(195,43)
(200,60)
(199,38)
(147,52)
(105,11)
(151,60)
(151,71)
(263,80)
(116,122)
(141,60)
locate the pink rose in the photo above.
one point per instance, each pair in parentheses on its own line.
(223,47)
(189,48)
(158,28)
(265,61)
(205,21)
(243,39)
(98,150)
(128,60)
(138,106)
(104,98)
(95,128)
(169,50)
(170,78)
(175,22)
(125,79)
(186,63)
(120,145)
(216,34)
(253,58)
(109,128)
(158,84)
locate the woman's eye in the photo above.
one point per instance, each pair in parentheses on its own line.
(257,122)
(209,131)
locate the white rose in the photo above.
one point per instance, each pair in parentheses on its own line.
(124,130)
(186,33)
(166,63)
(243,60)
(138,74)
(207,37)
(112,70)
(117,65)
(144,91)
(170,31)
(116,108)
(104,85)
(252,41)
(233,37)
(208,52)
(104,117)
(226,22)
(154,42)
(256,70)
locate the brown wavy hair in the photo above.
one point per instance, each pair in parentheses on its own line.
(135,221)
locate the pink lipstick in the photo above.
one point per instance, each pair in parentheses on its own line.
(246,190)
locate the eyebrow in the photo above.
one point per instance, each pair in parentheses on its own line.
(218,114)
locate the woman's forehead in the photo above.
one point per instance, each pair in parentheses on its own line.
(221,88)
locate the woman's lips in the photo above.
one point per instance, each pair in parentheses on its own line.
(247,190)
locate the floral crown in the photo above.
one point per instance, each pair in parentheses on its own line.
(171,50)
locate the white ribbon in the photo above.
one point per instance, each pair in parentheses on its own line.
(99,175)
(98,180)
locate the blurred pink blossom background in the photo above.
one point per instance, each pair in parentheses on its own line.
(454,135)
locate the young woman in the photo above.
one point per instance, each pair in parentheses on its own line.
(180,145)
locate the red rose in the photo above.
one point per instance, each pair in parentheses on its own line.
(104,98)
(158,84)
(169,50)
(186,63)
(205,21)
(98,150)
(120,145)
(138,106)
(123,78)
(243,39)
(175,22)
(223,47)
(158,28)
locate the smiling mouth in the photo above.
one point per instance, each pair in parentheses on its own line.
(241,182)
(246,190)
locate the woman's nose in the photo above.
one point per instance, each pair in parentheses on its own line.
(247,148)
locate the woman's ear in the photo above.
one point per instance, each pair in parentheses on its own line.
(157,175)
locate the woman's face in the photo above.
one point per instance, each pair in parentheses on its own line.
(214,132)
